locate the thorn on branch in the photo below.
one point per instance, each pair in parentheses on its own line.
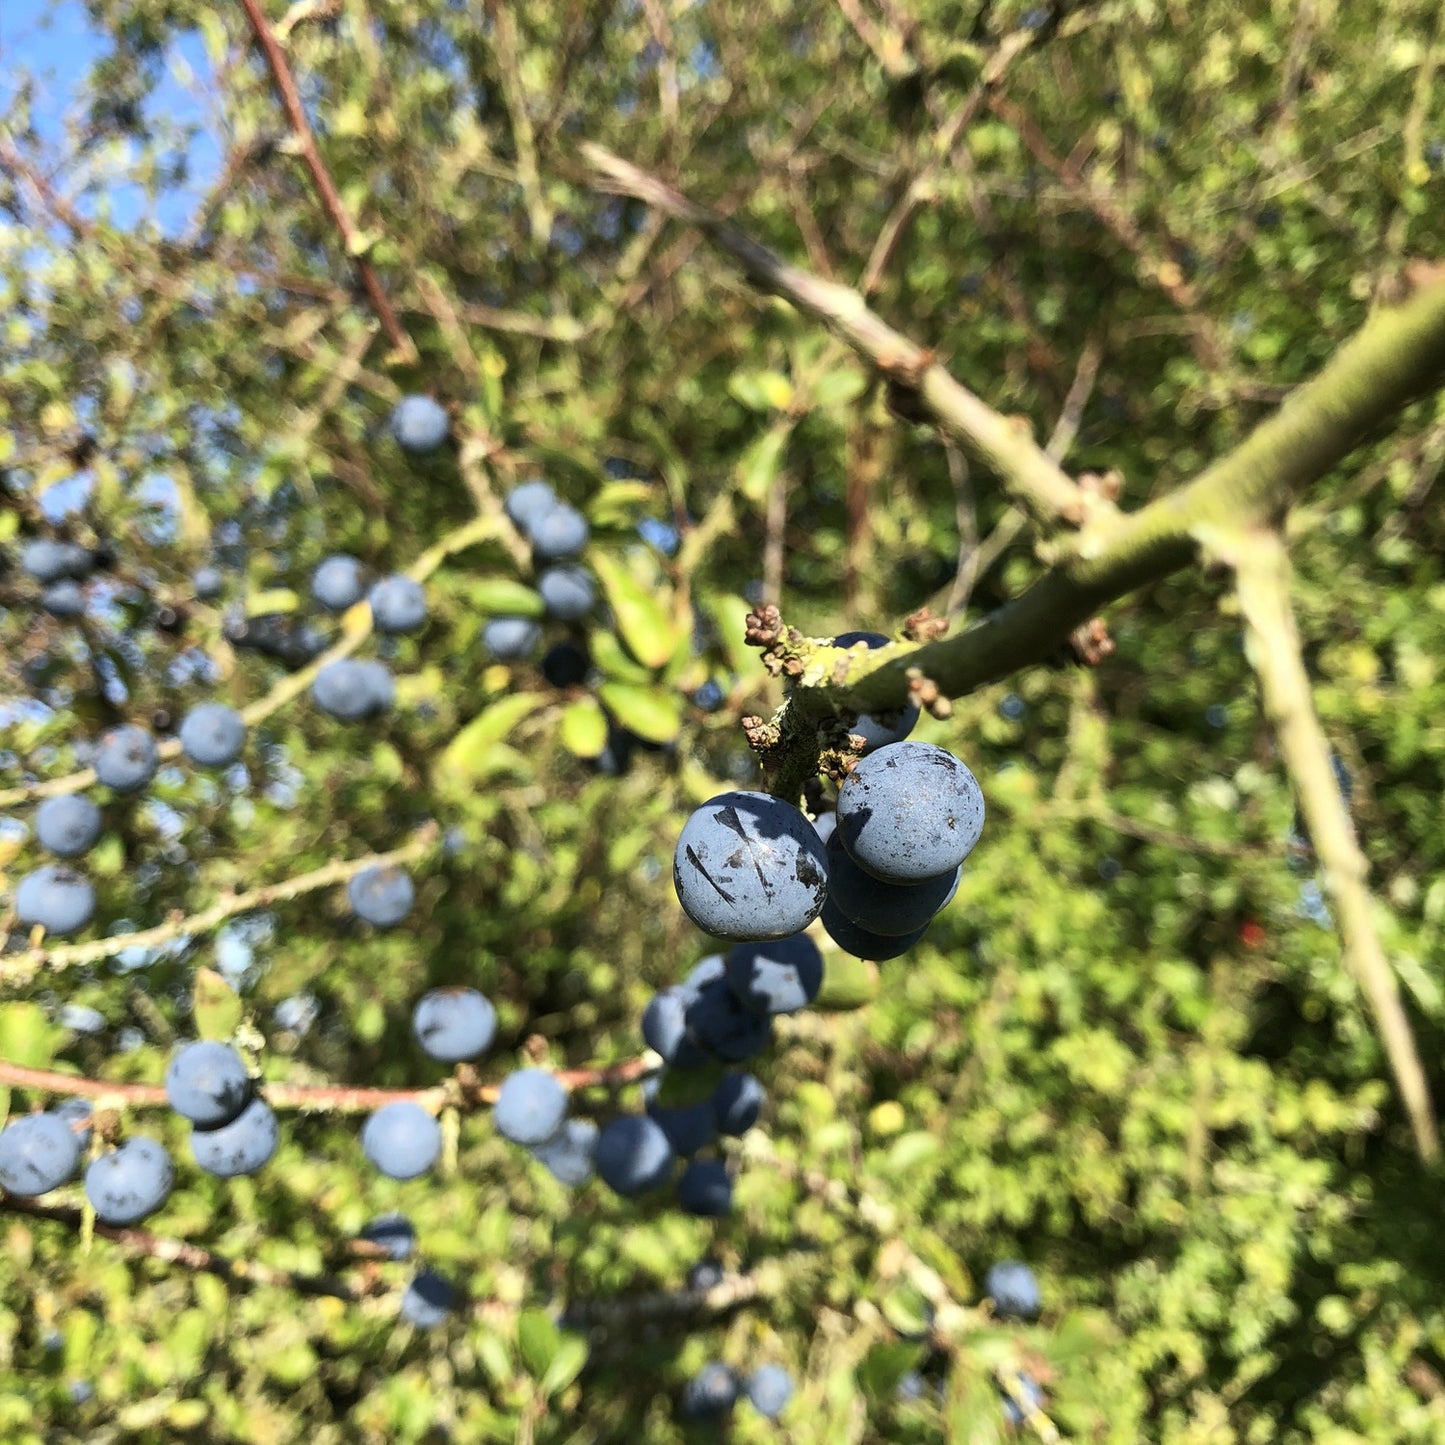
(1087,646)
(1107,485)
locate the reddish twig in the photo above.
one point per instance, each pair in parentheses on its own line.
(1166,275)
(462,1089)
(49,197)
(325,186)
(914,371)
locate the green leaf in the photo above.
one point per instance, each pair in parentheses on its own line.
(609,654)
(653,713)
(215,1005)
(504,597)
(214,35)
(619,503)
(729,616)
(906,1308)
(885,1365)
(912,1150)
(567,1364)
(838,387)
(584,728)
(643,613)
(669,459)
(26,1035)
(107,858)
(760,463)
(761,390)
(468,755)
(974,1411)
(538,1340)
(494,1360)
(848,983)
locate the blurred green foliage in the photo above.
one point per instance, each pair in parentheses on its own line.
(1126,1053)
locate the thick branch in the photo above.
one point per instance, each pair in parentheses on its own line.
(1398,355)
(993,439)
(1273,646)
(325,187)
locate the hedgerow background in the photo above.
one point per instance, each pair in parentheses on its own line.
(1129,1052)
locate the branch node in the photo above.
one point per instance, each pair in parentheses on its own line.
(923,626)
(1091,643)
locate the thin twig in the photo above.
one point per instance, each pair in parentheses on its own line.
(49,197)
(195,1257)
(490,318)
(1066,429)
(1272,644)
(524,135)
(727,1294)
(991,437)
(667,84)
(1165,274)
(22,967)
(303,11)
(888,49)
(966,517)
(600,1315)
(1094,810)
(1412,135)
(340,375)
(449,322)
(921,187)
(285,82)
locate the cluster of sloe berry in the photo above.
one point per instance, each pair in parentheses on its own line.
(753,870)
(714,1390)
(353,688)
(59,898)
(557,532)
(751,867)
(61,569)
(233,1132)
